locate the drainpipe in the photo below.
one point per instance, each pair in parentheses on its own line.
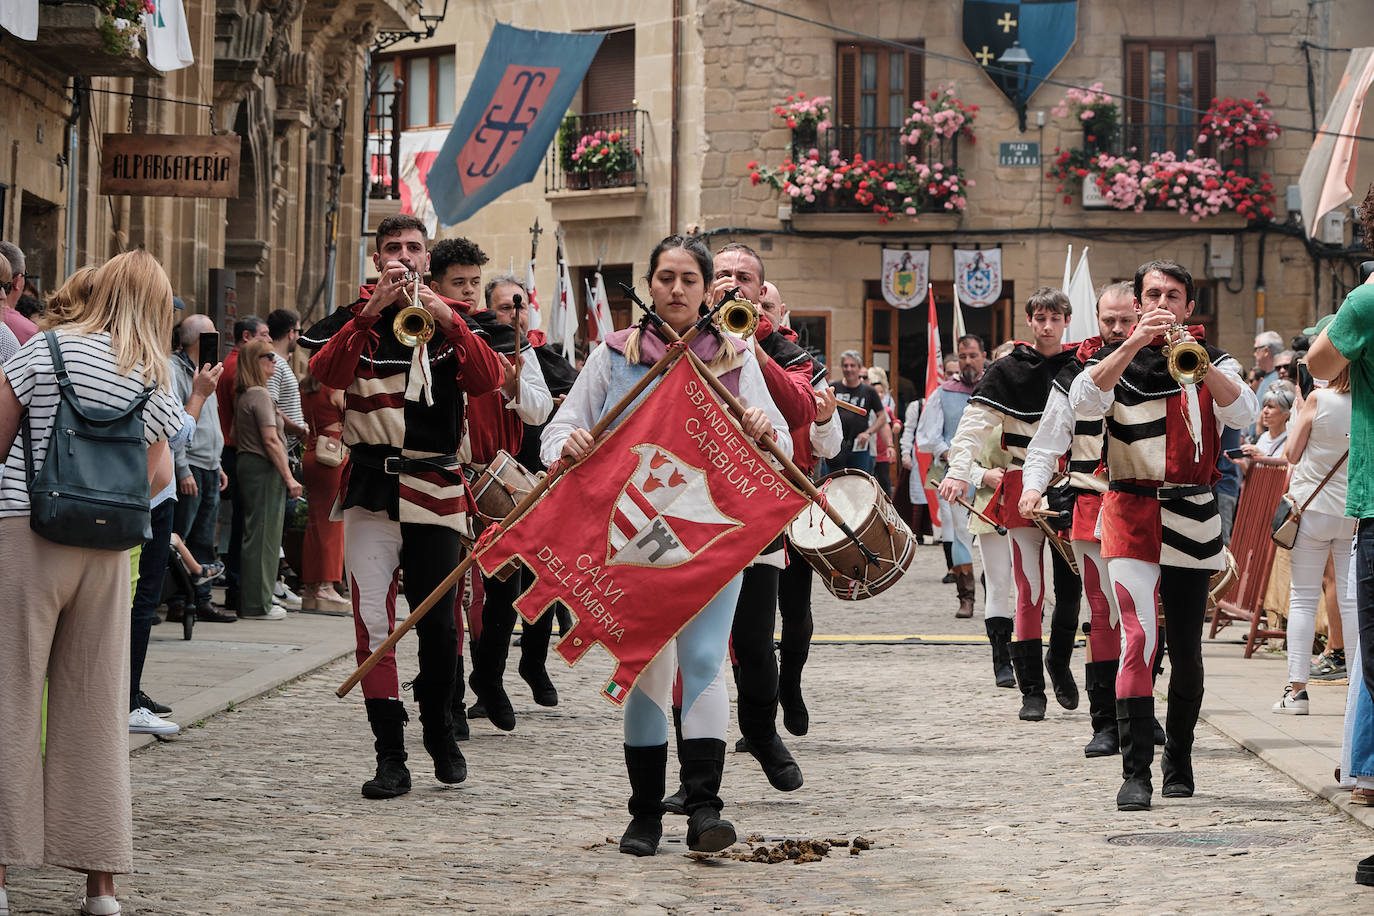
(69,259)
(677,107)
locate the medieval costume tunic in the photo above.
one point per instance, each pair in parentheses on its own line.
(1077,444)
(1013,393)
(1160,512)
(404,502)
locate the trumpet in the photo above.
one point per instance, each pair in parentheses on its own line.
(739,317)
(414,325)
(1186,359)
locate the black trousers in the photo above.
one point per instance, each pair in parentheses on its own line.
(794,604)
(752,637)
(1183,599)
(428,554)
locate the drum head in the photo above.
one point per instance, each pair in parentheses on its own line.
(852,494)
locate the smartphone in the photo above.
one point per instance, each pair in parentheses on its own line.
(1305,380)
(1235,453)
(209,348)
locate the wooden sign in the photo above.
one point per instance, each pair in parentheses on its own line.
(169,165)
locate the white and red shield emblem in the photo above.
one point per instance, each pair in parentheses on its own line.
(664,515)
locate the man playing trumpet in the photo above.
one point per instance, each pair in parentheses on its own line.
(1159,512)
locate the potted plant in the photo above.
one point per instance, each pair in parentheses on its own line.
(1096,112)
(605,159)
(807,116)
(121,25)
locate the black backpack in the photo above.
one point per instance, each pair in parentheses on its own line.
(92,490)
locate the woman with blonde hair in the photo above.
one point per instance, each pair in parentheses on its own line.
(72,807)
(265,479)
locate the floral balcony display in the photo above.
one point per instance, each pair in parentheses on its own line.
(121,25)
(1193,184)
(890,172)
(597,150)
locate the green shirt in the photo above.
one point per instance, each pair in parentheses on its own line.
(1352,333)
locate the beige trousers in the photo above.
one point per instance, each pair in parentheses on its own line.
(64,615)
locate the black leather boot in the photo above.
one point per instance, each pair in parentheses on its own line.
(1100,682)
(388,719)
(1068,594)
(534,652)
(436,723)
(677,802)
(1176,763)
(1030,675)
(459,707)
(795,717)
(756,722)
(1135,723)
(703,763)
(999,637)
(964,588)
(646,767)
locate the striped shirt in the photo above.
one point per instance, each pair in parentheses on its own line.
(286,393)
(91,365)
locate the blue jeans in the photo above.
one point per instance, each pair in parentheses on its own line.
(196,517)
(1363,573)
(152,568)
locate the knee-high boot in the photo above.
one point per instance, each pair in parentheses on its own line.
(1099,680)
(435,699)
(1026,660)
(534,652)
(703,764)
(388,719)
(1176,763)
(964,588)
(489,662)
(646,767)
(757,722)
(999,637)
(1135,718)
(677,802)
(1068,593)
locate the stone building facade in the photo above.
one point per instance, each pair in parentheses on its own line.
(712,115)
(284,76)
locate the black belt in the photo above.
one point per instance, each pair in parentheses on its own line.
(396,464)
(1160,493)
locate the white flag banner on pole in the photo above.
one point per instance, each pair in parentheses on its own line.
(567,308)
(20,18)
(169,41)
(978,276)
(1083,321)
(599,308)
(905,276)
(535,319)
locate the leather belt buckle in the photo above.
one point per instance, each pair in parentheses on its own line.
(391,464)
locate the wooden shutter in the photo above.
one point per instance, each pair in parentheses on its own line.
(1137,91)
(915,77)
(847,88)
(610,81)
(1204,74)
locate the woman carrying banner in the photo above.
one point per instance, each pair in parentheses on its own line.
(680,269)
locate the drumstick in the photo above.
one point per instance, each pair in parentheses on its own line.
(1000,529)
(845,405)
(1051,513)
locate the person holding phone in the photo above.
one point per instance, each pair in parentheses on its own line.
(197,465)
(1276,407)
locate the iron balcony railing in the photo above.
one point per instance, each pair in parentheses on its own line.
(623,133)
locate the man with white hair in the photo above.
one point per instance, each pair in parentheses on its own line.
(22,327)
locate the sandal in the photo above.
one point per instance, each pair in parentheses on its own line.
(209,572)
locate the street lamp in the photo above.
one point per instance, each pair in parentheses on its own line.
(1016,66)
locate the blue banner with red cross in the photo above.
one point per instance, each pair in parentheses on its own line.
(522,89)
(1046,30)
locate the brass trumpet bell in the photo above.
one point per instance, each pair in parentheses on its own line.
(414,326)
(739,317)
(1186,360)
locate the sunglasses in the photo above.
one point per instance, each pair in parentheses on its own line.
(6,287)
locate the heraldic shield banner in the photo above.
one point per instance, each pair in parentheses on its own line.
(905,276)
(522,88)
(637,538)
(978,276)
(1046,30)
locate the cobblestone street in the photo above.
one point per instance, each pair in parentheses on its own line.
(258,810)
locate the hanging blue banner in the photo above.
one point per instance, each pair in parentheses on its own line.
(1046,30)
(522,89)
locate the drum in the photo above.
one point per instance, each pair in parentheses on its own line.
(1223,580)
(844,570)
(499,487)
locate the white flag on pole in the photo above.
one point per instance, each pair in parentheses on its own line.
(567,312)
(535,320)
(169,41)
(599,310)
(1079,288)
(20,18)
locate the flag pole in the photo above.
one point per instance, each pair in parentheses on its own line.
(657,369)
(799,479)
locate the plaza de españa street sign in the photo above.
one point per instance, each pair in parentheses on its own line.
(1021,154)
(170,165)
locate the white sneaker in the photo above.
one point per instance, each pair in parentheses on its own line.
(283,596)
(275,612)
(143,722)
(99,906)
(1292,704)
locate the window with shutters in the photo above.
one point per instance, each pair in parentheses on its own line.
(1168,86)
(610,81)
(424,84)
(874,88)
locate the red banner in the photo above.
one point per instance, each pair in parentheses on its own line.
(640,536)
